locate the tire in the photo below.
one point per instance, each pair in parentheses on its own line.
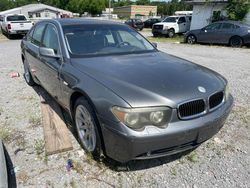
(27,76)
(86,125)
(236,42)
(171,33)
(155,35)
(191,39)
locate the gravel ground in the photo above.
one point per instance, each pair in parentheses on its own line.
(223,161)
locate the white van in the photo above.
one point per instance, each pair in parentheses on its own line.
(171,25)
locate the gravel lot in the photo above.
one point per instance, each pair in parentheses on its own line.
(223,161)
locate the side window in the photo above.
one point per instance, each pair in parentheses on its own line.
(227,26)
(236,27)
(30,34)
(182,20)
(38,33)
(50,39)
(212,27)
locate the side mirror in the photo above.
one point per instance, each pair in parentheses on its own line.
(48,52)
(154,44)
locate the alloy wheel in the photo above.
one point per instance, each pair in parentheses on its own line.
(85,128)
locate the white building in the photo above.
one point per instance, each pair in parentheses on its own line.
(39,11)
(204,11)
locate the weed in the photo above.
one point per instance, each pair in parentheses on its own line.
(192,157)
(34,121)
(173,171)
(5,133)
(39,146)
(23,177)
(78,167)
(72,183)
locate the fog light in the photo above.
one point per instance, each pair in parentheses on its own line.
(156,117)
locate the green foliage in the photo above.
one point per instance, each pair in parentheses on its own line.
(95,7)
(237,9)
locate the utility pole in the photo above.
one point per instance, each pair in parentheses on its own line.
(109,9)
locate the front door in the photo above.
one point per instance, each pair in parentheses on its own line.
(209,34)
(182,24)
(50,66)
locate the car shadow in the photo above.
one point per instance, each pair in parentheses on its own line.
(10,170)
(14,37)
(133,165)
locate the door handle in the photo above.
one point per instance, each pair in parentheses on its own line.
(65,83)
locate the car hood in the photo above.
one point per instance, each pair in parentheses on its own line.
(151,79)
(166,24)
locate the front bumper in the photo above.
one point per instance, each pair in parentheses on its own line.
(177,137)
(160,31)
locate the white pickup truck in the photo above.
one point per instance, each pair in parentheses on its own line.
(171,25)
(13,24)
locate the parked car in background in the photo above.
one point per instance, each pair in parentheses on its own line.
(232,33)
(172,25)
(1,21)
(135,23)
(151,21)
(127,99)
(15,24)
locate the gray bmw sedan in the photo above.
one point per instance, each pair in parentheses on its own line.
(127,99)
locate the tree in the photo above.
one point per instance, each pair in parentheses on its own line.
(143,2)
(237,9)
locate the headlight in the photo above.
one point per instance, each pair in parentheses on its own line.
(226,92)
(137,118)
(165,27)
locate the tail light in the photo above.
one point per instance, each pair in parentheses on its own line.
(9,26)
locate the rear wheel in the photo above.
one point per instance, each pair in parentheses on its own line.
(86,127)
(236,42)
(27,76)
(191,39)
(171,33)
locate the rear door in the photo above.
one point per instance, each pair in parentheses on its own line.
(50,66)
(226,32)
(34,39)
(209,34)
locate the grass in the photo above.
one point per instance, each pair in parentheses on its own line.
(176,39)
(5,133)
(78,167)
(39,146)
(34,120)
(192,157)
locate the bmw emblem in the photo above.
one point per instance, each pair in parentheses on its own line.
(202,89)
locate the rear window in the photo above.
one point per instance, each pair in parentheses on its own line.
(138,21)
(16,18)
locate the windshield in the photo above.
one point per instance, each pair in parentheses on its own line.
(16,18)
(104,39)
(171,19)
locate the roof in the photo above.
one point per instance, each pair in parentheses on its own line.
(205,1)
(82,21)
(33,7)
(235,22)
(42,9)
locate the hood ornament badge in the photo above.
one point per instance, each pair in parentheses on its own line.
(202,89)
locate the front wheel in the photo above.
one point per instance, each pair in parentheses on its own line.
(86,127)
(236,42)
(191,39)
(171,33)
